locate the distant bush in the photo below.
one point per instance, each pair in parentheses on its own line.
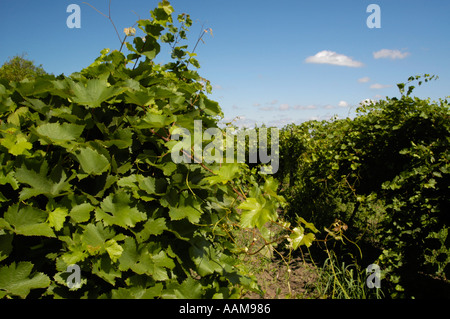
(18,68)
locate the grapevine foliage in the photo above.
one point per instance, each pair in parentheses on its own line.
(385,174)
(87,179)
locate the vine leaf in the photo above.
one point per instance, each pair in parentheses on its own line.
(93,93)
(257,212)
(298,237)
(116,210)
(57,132)
(145,259)
(205,257)
(40,183)
(16,144)
(15,279)
(57,218)
(28,221)
(91,161)
(188,289)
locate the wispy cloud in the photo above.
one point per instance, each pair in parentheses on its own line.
(390,54)
(284,107)
(364,79)
(343,104)
(304,107)
(331,57)
(378,86)
(266,108)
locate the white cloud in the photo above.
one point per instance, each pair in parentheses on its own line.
(330,57)
(343,104)
(284,107)
(378,86)
(303,107)
(390,54)
(266,108)
(364,79)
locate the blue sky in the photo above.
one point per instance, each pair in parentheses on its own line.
(273,62)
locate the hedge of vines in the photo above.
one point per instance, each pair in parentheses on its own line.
(87,180)
(385,174)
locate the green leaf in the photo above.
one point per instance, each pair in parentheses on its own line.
(308,239)
(16,144)
(94,238)
(298,237)
(16,280)
(145,259)
(40,183)
(28,221)
(137,292)
(155,121)
(224,174)
(82,212)
(146,184)
(307,225)
(92,162)
(9,179)
(57,217)
(152,227)
(189,289)
(192,214)
(104,268)
(113,249)
(205,257)
(122,138)
(183,206)
(128,181)
(144,97)
(256,212)
(116,210)
(60,132)
(94,92)
(210,107)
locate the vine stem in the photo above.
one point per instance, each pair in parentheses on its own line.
(109,17)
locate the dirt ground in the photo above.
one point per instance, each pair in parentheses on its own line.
(277,282)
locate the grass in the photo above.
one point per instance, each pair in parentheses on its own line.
(283,274)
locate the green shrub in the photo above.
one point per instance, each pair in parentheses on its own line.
(18,68)
(385,174)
